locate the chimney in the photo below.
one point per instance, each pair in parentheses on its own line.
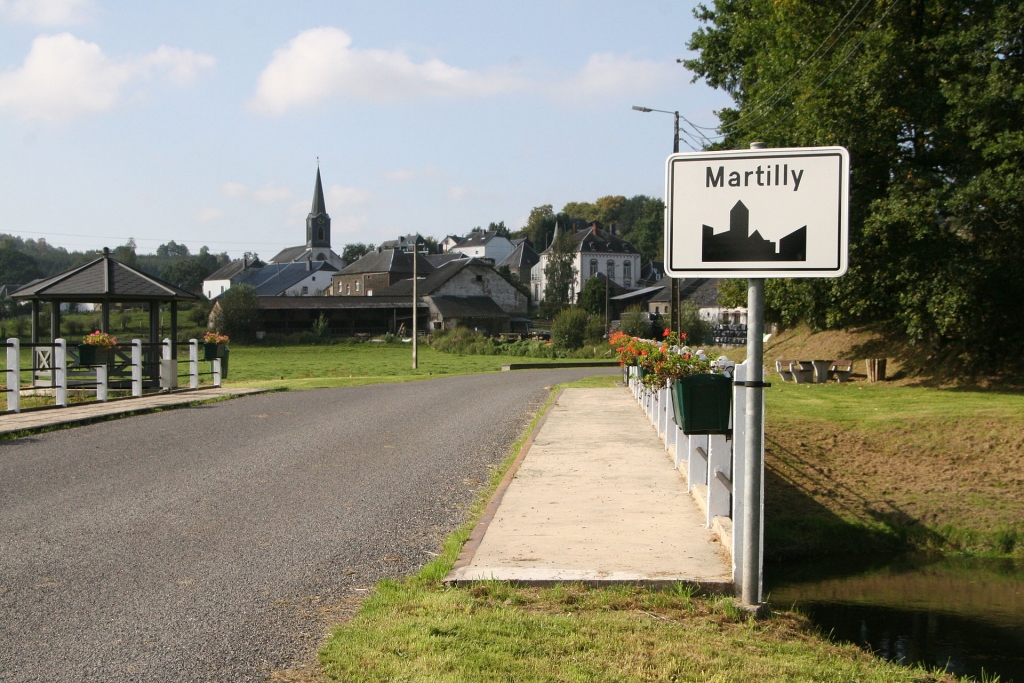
(309,263)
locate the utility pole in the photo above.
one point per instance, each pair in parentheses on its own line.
(415,313)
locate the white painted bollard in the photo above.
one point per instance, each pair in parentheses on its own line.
(216,372)
(697,457)
(136,368)
(168,367)
(14,375)
(101,382)
(60,371)
(193,363)
(669,421)
(681,453)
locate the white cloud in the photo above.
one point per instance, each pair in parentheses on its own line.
(45,12)
(321,63)
(207,214)
(268,194)
(338,196)
(400,175)
(612,74)
(234,190)
(63,77)
(457,192)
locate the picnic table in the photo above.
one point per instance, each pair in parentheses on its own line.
(814,371)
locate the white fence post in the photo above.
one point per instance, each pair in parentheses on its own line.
(101,382)
(669,414)
(14,375)
(193,363)
(168,367)
(136,368)
(216,372)
(697,468)
(719,477)
(60,371)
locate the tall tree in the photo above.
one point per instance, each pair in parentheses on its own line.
(928,96)
(560,273)
(17,268)
(352,252)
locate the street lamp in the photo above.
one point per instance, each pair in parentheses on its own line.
(673,321)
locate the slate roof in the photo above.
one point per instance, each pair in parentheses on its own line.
(232,271)
(467,307)
(595,240)
(638,293)
(103,279)
(699,290)
(276,278)
(431,282)
(388,261)
(289,255)
(523,256)
(438,260)
(476,239)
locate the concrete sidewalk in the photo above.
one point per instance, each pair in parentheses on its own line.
(595,498)
(78,414)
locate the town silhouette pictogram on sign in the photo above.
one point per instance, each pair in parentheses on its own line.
(737,244)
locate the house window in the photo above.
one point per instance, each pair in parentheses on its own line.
(305,290)
(611,269)
(627,273)
(320,234)
(348,289)
(593,267)
(479,278)
(536,292)
(357,286)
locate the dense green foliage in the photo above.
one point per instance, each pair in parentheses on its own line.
(569,328)
(928,96)
(635,323)
(17,268)
(237,313)
(594,295)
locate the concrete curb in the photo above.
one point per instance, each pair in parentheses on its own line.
(566,364)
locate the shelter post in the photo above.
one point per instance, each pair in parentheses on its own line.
(35,323)
(154,322)
(105,316)
(174,325)
(54,320)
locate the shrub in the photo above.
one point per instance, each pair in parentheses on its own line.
(595,329)
(569,328)
(237,313)
(635,323)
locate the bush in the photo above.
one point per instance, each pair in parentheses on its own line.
(595,329)
(635,323)
(698,331)
(237,313)
(569,328)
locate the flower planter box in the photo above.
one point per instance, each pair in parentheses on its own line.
(702,404)
(211,351)
(92,355)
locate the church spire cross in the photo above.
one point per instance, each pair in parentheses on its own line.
(318,195)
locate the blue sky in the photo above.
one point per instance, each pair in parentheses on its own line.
(201,122)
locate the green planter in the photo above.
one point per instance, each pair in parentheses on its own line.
(92,355)
(224,363)
(211,351)
(702,404)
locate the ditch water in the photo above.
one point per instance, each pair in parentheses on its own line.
(965,615)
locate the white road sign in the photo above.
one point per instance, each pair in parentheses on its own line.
(758,213)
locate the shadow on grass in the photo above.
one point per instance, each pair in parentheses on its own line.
(798,524)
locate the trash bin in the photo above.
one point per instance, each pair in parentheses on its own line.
(224,363)
(702,404)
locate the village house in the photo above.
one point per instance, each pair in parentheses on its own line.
(488,245)
(596,251)
(376,271)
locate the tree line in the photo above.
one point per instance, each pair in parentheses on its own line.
(928,96)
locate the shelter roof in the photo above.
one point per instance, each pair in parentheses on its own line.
(103,279)
(639,293)
(316,303)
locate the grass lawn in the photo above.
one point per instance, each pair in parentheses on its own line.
(337,365)
(419,630)
(870,465)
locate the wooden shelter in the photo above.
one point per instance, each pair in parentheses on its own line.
(103,281)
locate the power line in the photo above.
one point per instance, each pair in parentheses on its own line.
(137,239)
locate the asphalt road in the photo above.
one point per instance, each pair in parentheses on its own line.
(216,543)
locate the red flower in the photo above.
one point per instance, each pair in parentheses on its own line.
(667,332)
(682,335)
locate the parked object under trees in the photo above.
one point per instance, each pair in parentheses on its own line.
(925,96)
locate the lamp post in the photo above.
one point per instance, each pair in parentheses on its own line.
(673,322)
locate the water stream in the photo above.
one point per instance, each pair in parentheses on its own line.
(961,614)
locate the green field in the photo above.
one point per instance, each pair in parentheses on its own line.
(337,365)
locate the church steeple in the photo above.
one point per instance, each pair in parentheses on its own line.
(318,223)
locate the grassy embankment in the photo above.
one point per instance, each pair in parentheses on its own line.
(418,630)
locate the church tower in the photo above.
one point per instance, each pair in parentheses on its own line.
(318,223)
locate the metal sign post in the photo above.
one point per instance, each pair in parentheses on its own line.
(756,214)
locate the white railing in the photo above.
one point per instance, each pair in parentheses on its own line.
(56,363)
(712,465)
